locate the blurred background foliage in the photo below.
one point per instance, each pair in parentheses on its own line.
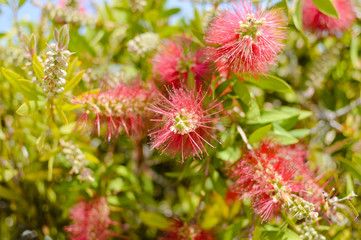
(312,97)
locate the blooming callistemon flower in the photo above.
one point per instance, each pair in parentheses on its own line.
(269,179)
(245,39)
(184,123)
(183,231)
(91,220)
(122,108)
(316,21)
(177,60)
(297,155)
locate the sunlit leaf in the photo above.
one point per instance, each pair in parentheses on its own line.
(326,7)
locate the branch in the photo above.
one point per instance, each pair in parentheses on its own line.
(244,138)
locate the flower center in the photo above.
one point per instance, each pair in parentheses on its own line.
(249,27)
(184,122)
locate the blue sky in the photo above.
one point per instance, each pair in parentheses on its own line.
(29,11)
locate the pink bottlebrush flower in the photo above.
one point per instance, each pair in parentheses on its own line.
(122,108)
(177,60)
(91,220)
(315,21)
(246,39)
(185,125)
(267,177)
(183,231)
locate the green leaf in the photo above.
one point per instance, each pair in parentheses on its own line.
(223,86)
(300,133)
(21,2)
(270,82)
(12,77)
(154,220)
(29,89)
(232,231)
(269,116)
(38,68)
(351,167)
(8,193)
(354,47)
(73,82)
(30,107)
(282,135)
(260,133)
(302,114)
(169,12)
(40,141)
(229,154)
(91,157)
(240,88)
(61,115)
(326,7)
(253,114)
(67,129)
(50,154)
(196,27)
(270,232)
(297,16)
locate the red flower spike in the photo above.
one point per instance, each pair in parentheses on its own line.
(176,60)
(268,176)
(315,21)
(183,231)
(91,220)
(185,125)
(246,39)
(122,108)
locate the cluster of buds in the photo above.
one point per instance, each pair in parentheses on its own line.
(249,27)
(143,43)
(301,209)
(68,13)
(137,5)
(77,159)
(308,232)
(91,220)
(56,63)
(11,56)
(123,108)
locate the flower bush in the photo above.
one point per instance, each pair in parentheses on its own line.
(241,122)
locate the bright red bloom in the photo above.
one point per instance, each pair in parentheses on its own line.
(184,123)
(246,39)
(315,21)
(122,108)
(176,60)
(268,176)
(183,231)
(297,155)
(91,220)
